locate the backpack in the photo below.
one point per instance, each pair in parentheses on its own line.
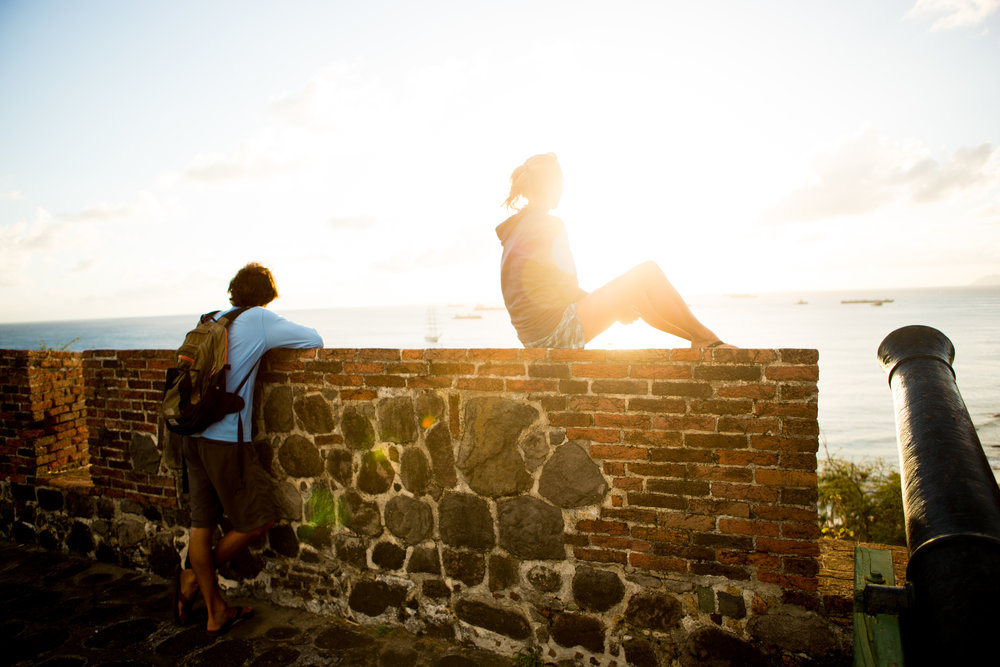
(195,395)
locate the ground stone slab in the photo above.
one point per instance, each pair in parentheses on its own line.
(276,657)
(489,456)
(531,529)
(229,653)
(374,597)
(570,478)
(501,621)
(338,637)
(122,634)
(184,642)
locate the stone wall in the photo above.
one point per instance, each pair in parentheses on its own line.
(609,507)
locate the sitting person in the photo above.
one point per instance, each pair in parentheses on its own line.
(539,283)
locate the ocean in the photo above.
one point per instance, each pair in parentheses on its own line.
(855,404)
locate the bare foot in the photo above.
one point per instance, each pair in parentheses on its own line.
(186,593)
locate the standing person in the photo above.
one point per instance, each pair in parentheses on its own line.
(224,473)
(538,275)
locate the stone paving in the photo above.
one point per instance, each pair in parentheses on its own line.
(62,611)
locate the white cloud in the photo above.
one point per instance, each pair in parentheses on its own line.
(12,195)
(954,14)
(868,171)
(100,213)
(245,163)
(352,222)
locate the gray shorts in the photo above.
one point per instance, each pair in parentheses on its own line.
(221,482)
(567,334)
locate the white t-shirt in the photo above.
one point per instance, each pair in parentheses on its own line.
(253,333)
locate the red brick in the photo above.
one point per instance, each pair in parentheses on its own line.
(774,513)
(744,492)
(661,372)
(792,373)
(360,368)
(387,381)
(428,382)
(790,356)
(784,444)
(682,389)
(638,356)
(791,426)
(634,387)
(797,461)
(777,409)
(789,581)
(685,521)
(556,371)
(622,543)
(524,386)
(594,434)
(682,454)
(760,391)
(800,531)
(574,386)
(655,534)
(748,425)
(656,500)
(684,423)
(658,469)
(715,441)
(721,473)
(621,421)
(601,556)
(790,547)
(597,404)
(793,392)
(784,478)
(493,354)
(451,368)
(657,405)
(657,563)
(616,452)
(557,354)
(599,370)
(657,438)
(503,370)
(753,559)
(606,527)
(633,515)
(627,483)
(745,458)
(479,384)
(743,527)
(719,508)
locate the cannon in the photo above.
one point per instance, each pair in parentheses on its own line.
(950,606)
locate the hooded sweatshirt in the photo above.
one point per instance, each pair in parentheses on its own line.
(537,273)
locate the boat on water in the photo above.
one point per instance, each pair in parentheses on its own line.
(468,316)
(874,302)
(433,334)
(801,302)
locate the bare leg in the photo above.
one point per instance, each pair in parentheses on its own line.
(646,292)
(204,561)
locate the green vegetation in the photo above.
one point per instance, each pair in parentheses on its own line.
(861,501)
(62,347)
(530,658)
(323,509)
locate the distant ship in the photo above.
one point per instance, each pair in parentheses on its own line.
(874,302)
(468,316)
(433,334)
(800,302)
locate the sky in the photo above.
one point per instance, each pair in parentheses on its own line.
(362,150)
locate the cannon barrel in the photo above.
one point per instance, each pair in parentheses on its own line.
(951,504)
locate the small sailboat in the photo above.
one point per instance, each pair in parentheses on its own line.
(433,334)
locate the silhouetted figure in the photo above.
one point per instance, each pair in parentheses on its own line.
(224,472)
(538,275)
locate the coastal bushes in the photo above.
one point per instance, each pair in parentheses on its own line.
(861,501)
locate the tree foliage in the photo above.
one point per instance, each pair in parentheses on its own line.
(861,501)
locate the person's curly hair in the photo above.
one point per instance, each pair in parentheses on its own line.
(253,285)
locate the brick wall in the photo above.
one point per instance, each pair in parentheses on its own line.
(42,413)
(123,390)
